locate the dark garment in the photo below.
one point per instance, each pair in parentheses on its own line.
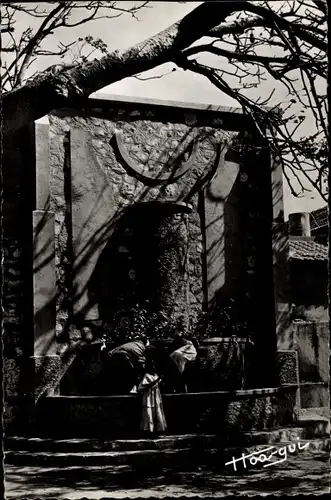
(126,367)
(134,351)
(155,355)
(174,381)
(122,375)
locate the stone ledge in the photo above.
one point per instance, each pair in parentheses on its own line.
(114,98)
(185,413)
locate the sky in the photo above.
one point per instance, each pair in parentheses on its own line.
(180,85)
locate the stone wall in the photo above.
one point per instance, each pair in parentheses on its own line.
(18,189)
(309,290)
(312,341)
(84,147)
(214,412)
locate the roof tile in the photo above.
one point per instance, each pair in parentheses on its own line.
(308,250)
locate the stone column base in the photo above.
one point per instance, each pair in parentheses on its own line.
(287,363)
(45,375)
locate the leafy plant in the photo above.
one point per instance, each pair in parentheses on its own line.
(141,320)
(220,321)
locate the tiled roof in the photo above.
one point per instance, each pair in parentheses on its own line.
(308,250)
(319,218)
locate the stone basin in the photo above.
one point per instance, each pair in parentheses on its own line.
(221,364)
(216,412)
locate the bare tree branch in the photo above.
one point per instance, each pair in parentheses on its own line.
(295,31)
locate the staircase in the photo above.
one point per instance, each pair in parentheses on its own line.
(184,452)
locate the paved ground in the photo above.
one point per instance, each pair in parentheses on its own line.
(302,473)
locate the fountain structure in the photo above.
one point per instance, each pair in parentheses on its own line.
(173,210)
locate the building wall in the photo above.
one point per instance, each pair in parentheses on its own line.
(309,289)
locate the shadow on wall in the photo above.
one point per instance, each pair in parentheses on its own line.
(112,271)
(126,271)
(143,268)
(225,257)
(43,265)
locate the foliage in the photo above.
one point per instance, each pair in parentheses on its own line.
(220,321)
(139,321)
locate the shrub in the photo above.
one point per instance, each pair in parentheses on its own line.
(220,321)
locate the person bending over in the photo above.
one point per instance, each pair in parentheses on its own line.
(127,366)
(181,352)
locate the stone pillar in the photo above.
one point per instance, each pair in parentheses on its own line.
(45,362)
(280,252)
(93,209)
(44,283)
(43,193)
(220,224)
(172,237)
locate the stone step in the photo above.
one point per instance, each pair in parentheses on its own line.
(309,428)
(184,458)
(88,445)
(95,458)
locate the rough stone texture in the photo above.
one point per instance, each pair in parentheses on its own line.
(312,340)
(12,297)
(95,159)
(195,264)
(12,376)
(314,395)
(287,367)
(11,414)
(44,283)
(223,365)
(18,188)
(12,161)
(172,265)
(251,414)
(311,343)
(46,371)
(196,441)
(93,208)
(205,412)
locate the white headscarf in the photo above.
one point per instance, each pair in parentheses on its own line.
(184,354)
